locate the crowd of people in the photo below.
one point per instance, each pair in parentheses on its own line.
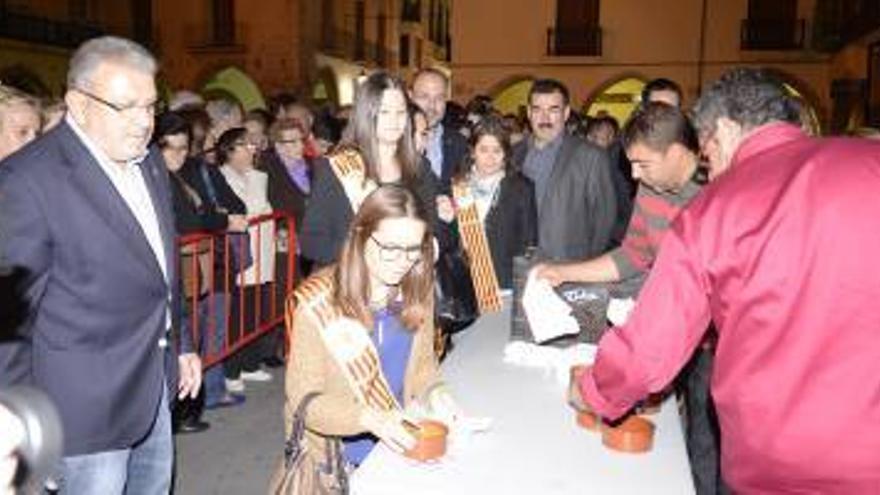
(746,241)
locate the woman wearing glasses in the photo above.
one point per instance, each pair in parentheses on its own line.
(235,154)
(377,301)
(377,148)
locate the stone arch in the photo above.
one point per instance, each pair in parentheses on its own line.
(617,97)
(511,94)
(813,112)
(234,82)
(325,87)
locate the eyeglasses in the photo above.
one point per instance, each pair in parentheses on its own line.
(391,252)
(246,144)
(127,111)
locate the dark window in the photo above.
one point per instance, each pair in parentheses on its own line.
(404,50)
(412,11)
(142,20)
(381,34)
(327,28)
(577,30)
(223,19)
(874,85)
(360,20)
(772,25)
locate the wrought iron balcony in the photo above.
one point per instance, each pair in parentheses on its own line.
(45,31)
(577,42)
(772,34)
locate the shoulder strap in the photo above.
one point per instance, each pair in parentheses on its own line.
(349,168)
(293,445)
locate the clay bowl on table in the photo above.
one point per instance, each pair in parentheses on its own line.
(633,435)
(431,440)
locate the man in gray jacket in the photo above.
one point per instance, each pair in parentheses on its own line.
(573,188)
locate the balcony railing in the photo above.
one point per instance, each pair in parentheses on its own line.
(45,31)
(574,42)
(772,34)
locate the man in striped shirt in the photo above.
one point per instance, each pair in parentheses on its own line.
(661,145)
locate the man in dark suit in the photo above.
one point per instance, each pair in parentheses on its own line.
(573,188)
(445,148)
(87,224)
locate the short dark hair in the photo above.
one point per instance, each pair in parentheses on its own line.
(660,84)
(491,125)
(749,97)
(226,143)
(658,126)
(548,86)
(596,123)
(170,124)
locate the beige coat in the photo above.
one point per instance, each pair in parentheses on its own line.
(310,367)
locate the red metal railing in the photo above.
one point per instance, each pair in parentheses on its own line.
(208,301)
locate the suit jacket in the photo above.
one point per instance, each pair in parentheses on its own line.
(455,150)
(511,225)
(226,198)
(284,194)
(328,214)
(577,212)
(95,295)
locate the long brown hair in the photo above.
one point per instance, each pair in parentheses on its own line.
(352,280)
(361,130)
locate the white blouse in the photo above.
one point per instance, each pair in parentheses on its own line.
(252,187)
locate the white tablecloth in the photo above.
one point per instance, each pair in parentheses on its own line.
(534,445)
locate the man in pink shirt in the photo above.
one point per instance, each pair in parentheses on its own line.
(774,252)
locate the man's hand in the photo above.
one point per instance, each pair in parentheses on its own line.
(554,274)
(445,208)
(11,435)
(574,397)
(190,375)
(237,223)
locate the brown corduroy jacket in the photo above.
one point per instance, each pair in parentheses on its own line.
(311,368)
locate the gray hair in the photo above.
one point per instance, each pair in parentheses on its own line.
(10,96)
(749,97)
(223,110)
(91,54)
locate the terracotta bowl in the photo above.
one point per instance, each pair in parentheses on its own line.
(431,441)
(633,435)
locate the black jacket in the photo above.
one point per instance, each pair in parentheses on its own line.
(284,195)
(511,225)
(328,213)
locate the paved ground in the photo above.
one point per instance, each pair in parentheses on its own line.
(238,454)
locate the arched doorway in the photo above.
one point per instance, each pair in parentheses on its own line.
(618,98)
(232,81)
(512,97)
(809,117)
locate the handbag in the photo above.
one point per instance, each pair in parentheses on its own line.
(240,257)
(456,306)
(588,302)
(304,474)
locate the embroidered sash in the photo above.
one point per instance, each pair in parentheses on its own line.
(349,167)
(476,245)
(347,341)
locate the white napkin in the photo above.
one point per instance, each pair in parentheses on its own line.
(548,315)
(619,310)
(554,360)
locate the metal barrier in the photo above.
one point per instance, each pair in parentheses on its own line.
(215,285)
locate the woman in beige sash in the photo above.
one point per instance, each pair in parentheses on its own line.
(376,148)
(362,332)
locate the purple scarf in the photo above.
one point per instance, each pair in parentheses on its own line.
(298,171)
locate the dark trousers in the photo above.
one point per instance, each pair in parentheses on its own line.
(702,433)
(244,322)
